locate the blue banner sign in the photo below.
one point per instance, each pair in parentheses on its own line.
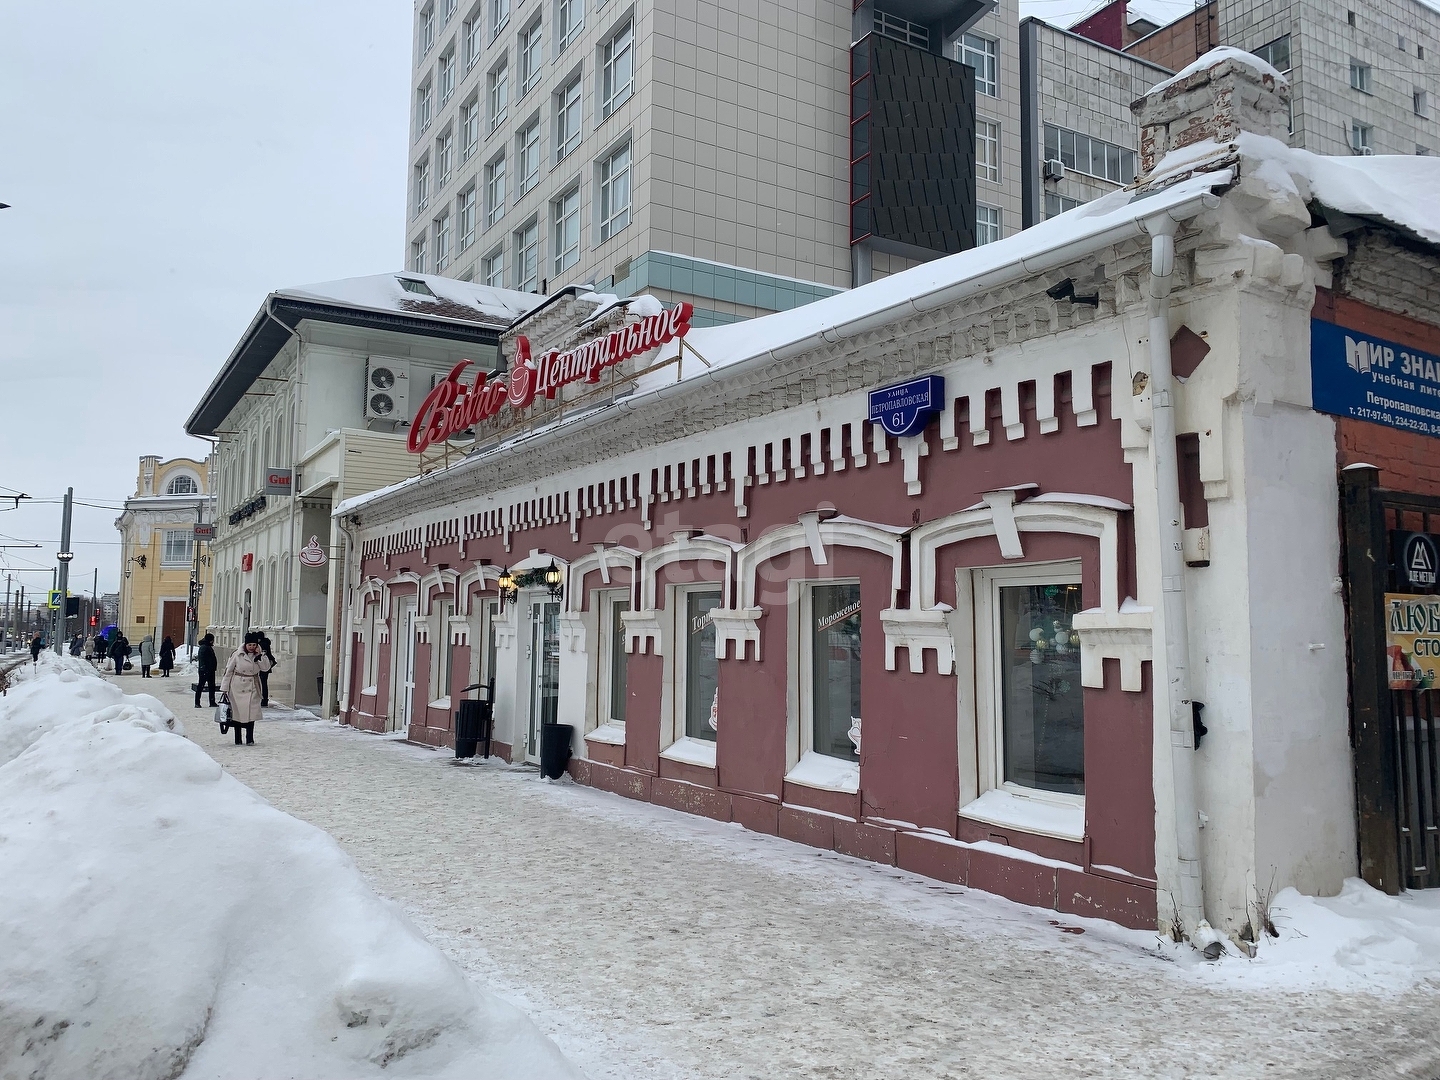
(1369,378)
(905,408)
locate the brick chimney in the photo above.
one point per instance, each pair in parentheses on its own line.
(1225,92)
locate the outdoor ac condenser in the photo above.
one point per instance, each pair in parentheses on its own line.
(1054,169)
(387,388)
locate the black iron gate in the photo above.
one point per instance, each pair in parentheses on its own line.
(1393,733)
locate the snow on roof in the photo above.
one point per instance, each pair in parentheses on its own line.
(1213,58)
(438,297)
(1395,188)
(1159,12)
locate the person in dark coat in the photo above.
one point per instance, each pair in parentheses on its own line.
(102,650)
(77,645)
(119,650)
(37,643)
(265,674)
(167,657)
(206,663)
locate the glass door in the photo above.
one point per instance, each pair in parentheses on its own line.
(544,670)
(404,668)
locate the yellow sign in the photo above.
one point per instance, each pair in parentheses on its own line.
(55,600)
(1412,640)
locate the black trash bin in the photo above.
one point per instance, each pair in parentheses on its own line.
(555,749)
(467,728)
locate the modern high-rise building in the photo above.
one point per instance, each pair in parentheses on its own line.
(732,153)
(1363,77)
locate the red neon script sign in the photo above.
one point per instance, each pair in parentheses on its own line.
(452,407)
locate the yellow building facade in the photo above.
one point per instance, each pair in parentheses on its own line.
(158,551)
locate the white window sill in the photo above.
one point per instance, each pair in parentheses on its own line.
(826,773)
(441,703)
(609,732)
(371,691)
(691,752)
(1061,816)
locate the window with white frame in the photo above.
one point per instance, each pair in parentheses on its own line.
(618,69)
(565,219)
(418,254)
(1089,155)
(1360,76)
(982,54)
(987,224)
(183,485)
(492,268)
(569,18)
(442,242)
(444,649)
(424,107)
(611,663)
(1276,53)
(422,185)
(179,549)
(698,680)
(987,150)
(499,16)
(567,118)
(1360,137)
(902,29)
(1420,102)
(1056,204)
(446,77)
(427,29)
(1032,700)
(372,647)
(527,157)
(447,11)
(444,158)
(495,191)
(499,83)
(530,57)
(830,669)
(474,39)
(469,128)
(465,207)
(615,193)
(527,256)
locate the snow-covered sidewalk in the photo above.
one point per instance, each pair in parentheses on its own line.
(650,943)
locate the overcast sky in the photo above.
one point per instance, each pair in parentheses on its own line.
(167,165)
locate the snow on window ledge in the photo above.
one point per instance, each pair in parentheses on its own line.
(1044,814)
(691,752)
(608,732)
(441,703)
(827,773)
(372,691)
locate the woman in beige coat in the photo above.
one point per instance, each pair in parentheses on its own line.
(241,684)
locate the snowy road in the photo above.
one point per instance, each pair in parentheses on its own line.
(649,943)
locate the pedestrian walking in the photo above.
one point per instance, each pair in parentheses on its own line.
(102,650)
(90,647)
(167,657)
(37,643)
(241,686)
(119,650)
(147,655)
(206,662)
(265,675)
(77,645)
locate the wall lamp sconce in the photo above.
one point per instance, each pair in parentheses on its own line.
(507,588)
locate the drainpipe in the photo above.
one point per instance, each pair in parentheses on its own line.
(1191,900)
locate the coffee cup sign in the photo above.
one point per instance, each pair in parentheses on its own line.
(312,554)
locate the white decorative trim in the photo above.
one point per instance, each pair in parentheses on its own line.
(459,630)
(737,625)
(644,628)
(1124,635)
(834,532)
(686,548)
(475,574)
(915,630)
(436,579)
(405,577)
(604,558)
(572,631)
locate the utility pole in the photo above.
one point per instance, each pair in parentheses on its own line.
(63,584)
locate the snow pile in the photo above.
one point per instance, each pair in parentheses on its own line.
(159,919)
(444,297)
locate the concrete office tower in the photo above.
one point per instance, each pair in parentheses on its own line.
(692,149)
(1362,76)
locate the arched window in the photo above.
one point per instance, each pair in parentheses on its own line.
(183,485)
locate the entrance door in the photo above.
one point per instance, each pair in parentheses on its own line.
(544,670)
(172,622)
(404,668)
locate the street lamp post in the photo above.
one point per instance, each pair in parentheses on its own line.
(62,584)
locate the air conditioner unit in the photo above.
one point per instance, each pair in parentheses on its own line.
(1054,169)
(1366,151)
(387,389)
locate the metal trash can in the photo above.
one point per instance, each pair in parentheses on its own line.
(473,725)
(555,749)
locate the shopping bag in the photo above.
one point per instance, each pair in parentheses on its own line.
(222,714)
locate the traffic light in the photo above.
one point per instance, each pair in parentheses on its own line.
(94,620)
